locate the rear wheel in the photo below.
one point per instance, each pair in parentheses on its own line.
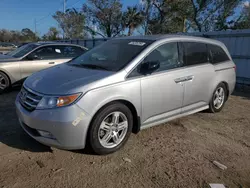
(4,82)
(110,129)
(219,98)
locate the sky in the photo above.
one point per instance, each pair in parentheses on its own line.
(19,14)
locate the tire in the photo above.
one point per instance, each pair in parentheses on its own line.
(214,106)
(106,129)
(4,82)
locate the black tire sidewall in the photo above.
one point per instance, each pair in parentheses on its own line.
(211,105)
(97,120)
(7,80)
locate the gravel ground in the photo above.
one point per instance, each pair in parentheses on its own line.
(178,154)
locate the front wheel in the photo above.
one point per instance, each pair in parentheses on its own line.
(218,99)
(110,128)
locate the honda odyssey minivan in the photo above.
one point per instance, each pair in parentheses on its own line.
(124,85)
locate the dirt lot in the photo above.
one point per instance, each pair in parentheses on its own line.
(178,154)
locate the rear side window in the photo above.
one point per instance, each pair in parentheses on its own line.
(69,51)
(217,54)
(194,53)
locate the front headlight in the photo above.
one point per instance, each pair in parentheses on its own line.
(58,101)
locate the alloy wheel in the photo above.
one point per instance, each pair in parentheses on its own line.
(113,129)
(219,97)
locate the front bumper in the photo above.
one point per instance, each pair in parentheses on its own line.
(68,125)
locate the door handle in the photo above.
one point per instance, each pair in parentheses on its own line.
(180,80)
(189,78)
(51,63)
(184,79)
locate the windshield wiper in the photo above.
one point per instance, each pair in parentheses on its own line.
(91,66)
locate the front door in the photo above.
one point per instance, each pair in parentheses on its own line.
(40,59)
(161,91)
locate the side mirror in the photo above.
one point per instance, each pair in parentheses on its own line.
(32,57)
(149,67)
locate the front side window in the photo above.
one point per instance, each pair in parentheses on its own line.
(112,55)
(194,53)
(217,54)
(166,55)
(47,52)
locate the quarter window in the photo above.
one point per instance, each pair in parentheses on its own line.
(217,54)
(194,53)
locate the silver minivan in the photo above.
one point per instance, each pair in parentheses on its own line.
(124,85)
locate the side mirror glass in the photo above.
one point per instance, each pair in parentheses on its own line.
(149,67)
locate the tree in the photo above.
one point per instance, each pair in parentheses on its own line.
(53,34)
(132,19)
(226,10)
(5,35)
(71,22)
(105,16)
(243,21)
(209,15)
(168,16)
(28,35)
(146,7)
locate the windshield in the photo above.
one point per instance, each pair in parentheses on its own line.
(112,55)
(23,50)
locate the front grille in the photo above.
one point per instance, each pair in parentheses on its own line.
(29,99)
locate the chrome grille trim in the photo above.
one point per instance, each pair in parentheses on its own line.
(29,99)
(35,100)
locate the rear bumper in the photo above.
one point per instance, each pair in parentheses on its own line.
(68,125)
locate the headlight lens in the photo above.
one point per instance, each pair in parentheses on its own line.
(59,101)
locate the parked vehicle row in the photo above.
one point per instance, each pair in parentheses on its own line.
(7,45)
(20,63)
(121,86)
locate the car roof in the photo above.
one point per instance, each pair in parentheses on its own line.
(54,43)
(171,36)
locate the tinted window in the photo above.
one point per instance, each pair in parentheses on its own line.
(195,53)
(69,51)
(112,55)
(47,52)
(217,54)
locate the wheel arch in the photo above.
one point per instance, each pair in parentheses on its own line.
(136,117)
(227,87)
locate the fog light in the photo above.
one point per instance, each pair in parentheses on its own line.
(46,134)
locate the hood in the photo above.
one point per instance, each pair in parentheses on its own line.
(63,79)
(7,58)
